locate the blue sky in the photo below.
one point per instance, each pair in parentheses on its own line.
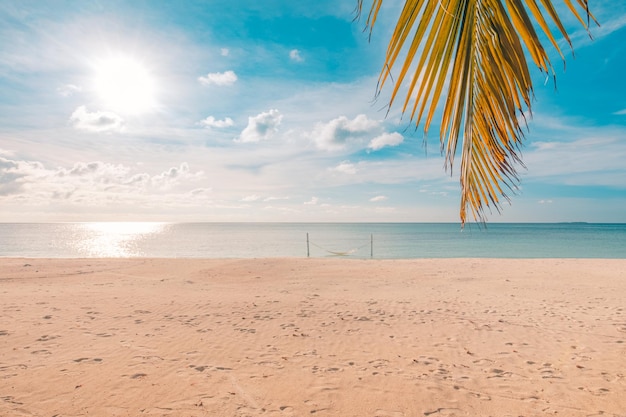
(264,111)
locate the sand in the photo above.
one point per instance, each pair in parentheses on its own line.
(312,337)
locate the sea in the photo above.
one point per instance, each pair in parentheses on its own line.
(318,240)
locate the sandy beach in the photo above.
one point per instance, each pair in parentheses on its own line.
(312,337)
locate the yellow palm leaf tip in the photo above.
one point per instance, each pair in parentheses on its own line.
(468,58)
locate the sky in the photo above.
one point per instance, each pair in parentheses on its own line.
(267,111)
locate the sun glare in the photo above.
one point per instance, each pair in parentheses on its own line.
(124,85)
(116,239)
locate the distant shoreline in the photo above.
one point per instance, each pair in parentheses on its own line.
(272,240)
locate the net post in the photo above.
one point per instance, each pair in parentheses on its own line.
(307,245)
(372,245)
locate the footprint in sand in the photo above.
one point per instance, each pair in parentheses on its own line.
(480,396)
(442,412)
(46,338)
(9,367)
(11,400)
(385,413)
(499,373)
(79,360)
(599,391)
(286,410)
(271,364)
(244,330)
(425,360)
(379,363)
(548,372)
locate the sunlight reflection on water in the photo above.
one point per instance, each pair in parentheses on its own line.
(269,240)
(115,239)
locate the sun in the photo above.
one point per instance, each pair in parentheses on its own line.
(124,85)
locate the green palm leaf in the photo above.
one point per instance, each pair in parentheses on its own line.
(469,56)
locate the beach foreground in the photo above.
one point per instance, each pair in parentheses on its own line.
(319,337)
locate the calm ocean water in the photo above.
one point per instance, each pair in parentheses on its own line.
(352,240)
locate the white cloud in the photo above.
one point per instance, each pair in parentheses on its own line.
(261,126)
(251,198)
(14,175)
(212,122)
(596,159)
(174,175)
(68,90)
(620,112)
(224,51)
(339,132)
(378,198)
(267,199)
(386,139)
(87,183)
(97,171)
(313,201)
(346,167)
(97,121)
(200,191)
(219,78)
(609,26)
(294,55)
(545,146)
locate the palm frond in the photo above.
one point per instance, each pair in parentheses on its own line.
(472,53)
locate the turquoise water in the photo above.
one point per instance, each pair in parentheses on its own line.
(351,240)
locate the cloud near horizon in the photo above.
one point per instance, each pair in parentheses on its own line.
(90,183)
